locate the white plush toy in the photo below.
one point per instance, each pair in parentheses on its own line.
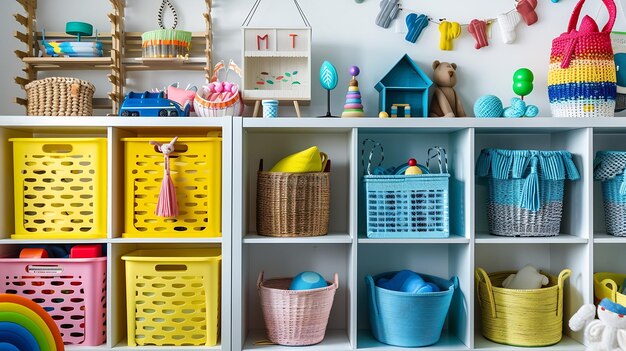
(606,334)
(526,278)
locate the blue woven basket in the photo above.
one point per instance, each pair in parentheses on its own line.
(414,206)
(525,190)
(408,320)
(609,168)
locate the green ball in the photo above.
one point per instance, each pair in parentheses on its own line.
(522,88)
(523,74)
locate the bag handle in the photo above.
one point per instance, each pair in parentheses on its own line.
(371,286)
(609,283)
(481,275)
(255,7)
(610,6)
(562,276)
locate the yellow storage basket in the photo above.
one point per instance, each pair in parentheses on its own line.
(60,188)
(196,170)
(605,285)
(521,317)
(172,297)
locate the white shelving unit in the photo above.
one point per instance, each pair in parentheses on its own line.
(115,128)
(583,245)
(350,253)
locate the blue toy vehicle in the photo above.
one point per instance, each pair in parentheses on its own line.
(152,105)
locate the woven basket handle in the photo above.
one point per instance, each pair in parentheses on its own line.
(260,280)
(562,276)
(481,275)
(369,282)
(336,281)
(610,6)
(609,283)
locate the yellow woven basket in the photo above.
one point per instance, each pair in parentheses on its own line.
(605,285)
(521,317)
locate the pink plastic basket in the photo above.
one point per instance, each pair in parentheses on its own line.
(295,317)
(72,291)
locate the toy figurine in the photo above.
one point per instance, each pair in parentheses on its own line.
(353,106)
(608,333)
(446,102)
(413,168)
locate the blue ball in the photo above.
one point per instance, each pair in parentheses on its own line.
(308,280)
(488,106)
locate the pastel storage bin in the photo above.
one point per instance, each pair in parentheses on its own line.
(609,169)
(525,190)
(408,320)
(295,317)
(414,206)
(72,291)
(196,170)
(270,108)
(172,297)
(521,317)
(608,285)
(60,188)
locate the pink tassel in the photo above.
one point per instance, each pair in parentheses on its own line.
(166,204)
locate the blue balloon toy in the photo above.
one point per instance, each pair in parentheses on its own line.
(308,280)
(407,281)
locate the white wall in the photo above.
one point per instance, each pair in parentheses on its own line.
(344,33)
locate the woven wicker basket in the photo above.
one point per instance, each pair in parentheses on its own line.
(605,285)
(295,317)
(293,204)
(60,96)
(609,168)
(526,190)
(521,317)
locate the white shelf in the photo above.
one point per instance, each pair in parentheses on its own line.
(483,238)
(566,344)
(166,240)
(303,54)
(331,238)
(113,121)
(603,238)
(52,241)
(334,340)
(448,342)
(452,239)
(124,347)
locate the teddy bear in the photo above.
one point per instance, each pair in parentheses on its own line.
(608,333)
(446,102)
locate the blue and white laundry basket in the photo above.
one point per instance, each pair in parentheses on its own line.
(609,169)
(525,190)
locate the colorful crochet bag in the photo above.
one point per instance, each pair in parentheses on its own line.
(582,77)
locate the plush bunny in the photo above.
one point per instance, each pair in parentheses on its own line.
(526,278)
(606,334)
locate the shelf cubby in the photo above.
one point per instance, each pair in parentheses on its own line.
(576,220)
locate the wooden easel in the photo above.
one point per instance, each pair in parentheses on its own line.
(257,106)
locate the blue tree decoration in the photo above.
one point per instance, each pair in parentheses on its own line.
(328,80)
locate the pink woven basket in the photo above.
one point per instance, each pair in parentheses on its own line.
(295,317)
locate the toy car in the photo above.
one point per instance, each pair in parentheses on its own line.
(152,105)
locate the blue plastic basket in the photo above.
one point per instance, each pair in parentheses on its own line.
(414,206)
(526,190)
(609,168)
(409,320)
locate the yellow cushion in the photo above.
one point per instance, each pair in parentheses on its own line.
(309,160)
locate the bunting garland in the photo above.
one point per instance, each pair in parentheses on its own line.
(416,22)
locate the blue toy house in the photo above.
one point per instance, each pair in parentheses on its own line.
(405,84)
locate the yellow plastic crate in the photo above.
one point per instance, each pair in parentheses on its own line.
(172,297)
(60,188)
(196,170)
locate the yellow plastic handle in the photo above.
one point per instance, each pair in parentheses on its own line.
(481,275)
(609,283)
